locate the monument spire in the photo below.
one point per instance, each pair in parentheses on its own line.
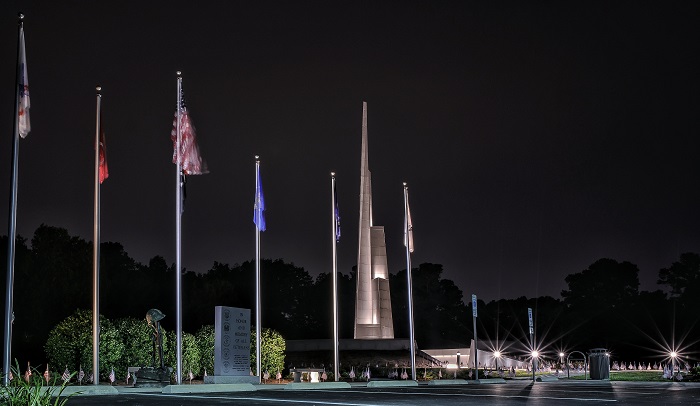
(373,318)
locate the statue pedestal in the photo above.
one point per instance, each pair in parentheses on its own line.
(151,377)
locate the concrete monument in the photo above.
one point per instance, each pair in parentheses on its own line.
(373,318)
(231,346)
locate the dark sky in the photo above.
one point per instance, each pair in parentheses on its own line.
(536,137)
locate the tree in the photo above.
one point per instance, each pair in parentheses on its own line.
(605,285)
(439,313)
(683,277)
(601,302)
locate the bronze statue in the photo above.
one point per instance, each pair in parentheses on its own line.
(153,317)
(154,376)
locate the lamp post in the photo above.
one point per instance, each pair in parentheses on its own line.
(674,355)
(535,354)
(496,356)
(459,355)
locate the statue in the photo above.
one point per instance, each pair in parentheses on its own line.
(154,376)
(153,318)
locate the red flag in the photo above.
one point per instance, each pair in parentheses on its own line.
(104,170)
(190,160)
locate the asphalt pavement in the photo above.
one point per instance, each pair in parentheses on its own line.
(510,393)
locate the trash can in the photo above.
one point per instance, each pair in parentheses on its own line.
(599,363)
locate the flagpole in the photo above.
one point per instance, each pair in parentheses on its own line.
(178,233)
(12,223)
(258,317)
(334,237)
(409,280)
(96,247)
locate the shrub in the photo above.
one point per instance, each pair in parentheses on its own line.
(70,343)
(190,353)
(272,348)
(205,342)
(137,339)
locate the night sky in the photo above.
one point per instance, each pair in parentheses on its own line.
(536,137)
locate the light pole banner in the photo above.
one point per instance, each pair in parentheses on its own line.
(474,305)
(529,318)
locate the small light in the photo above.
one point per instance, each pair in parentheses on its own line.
(497,354)
(561,355)
(535,354)
(607,354)
(674,354)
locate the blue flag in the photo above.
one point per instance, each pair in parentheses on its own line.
(259,208)
(336,215)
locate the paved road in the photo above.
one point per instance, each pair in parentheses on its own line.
(512,393)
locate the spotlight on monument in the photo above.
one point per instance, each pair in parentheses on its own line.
(496,356)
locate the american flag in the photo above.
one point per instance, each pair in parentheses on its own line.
(23,107)
(11,376)
(81,375)
(47,374)
(91,377)
(128,375)
(28,374)
(205,372)
(66,375)
(103,169)
(190,159)
(112,377)
(191,376)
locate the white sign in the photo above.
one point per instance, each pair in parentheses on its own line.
(474,305)
(529,318)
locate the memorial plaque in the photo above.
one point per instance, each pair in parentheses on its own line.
(232,341)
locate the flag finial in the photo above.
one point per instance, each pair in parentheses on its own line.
(404,183)
(257,157)
(332,173)
(20,16)
(98,88)
(179,74)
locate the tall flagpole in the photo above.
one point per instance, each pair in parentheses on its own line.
(258,317)
(409,248)
(178,232)
(12,223)
(96,249)
(335,236)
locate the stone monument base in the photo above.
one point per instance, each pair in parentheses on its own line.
(228,379)
(151,377)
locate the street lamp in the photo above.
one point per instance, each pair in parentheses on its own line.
(674,355)
(496,356)
(535,354)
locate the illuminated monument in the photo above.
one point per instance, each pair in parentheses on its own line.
(373,318)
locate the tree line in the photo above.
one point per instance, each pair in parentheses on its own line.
(602,307)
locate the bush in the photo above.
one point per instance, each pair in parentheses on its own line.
(70,344)
(190,353)
(137,339)
(205,342)
(273,347)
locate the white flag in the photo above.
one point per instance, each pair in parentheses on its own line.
(23,89)
(408,230)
